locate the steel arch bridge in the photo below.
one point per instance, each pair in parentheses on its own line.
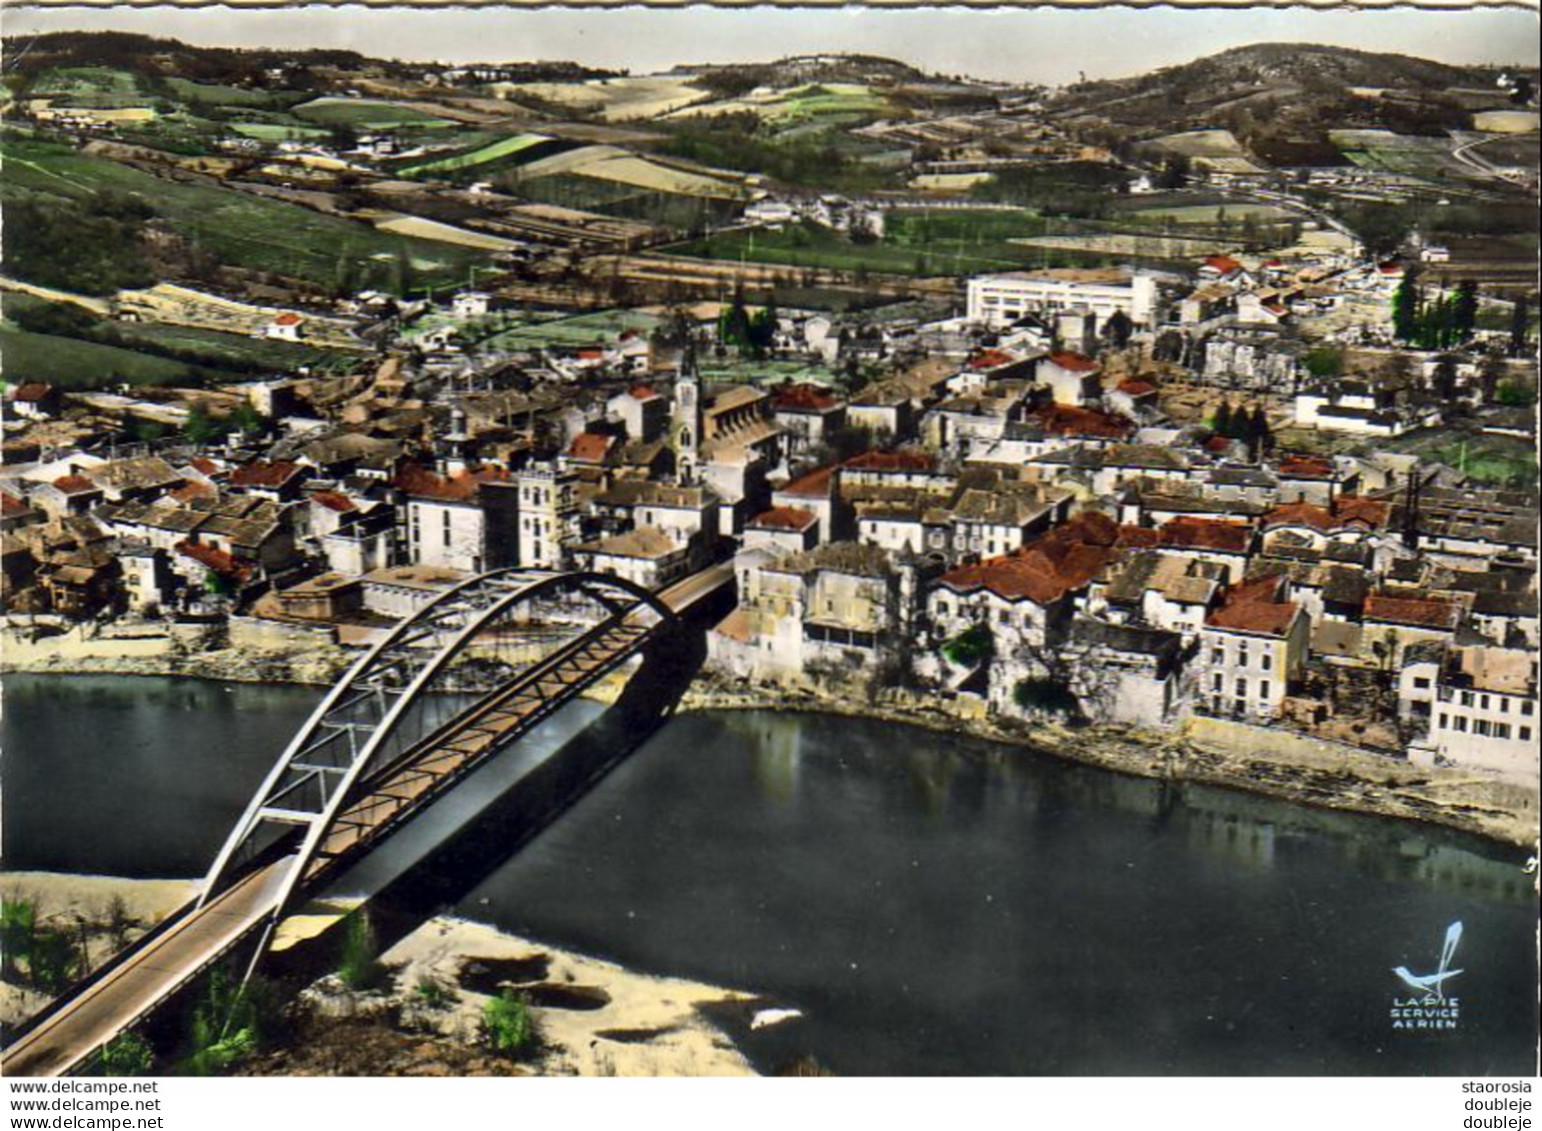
(448,686)
(462,677)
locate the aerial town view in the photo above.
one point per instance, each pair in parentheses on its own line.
(526,559)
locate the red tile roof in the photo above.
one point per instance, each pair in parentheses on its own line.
(990,359)
(1138,538)
(262,473)
(333,501)
(1075,362)
(815,485)
(1067,420)
(784,518)
(1299,514)
(12,507)
(1225,264)
(204,465)
(74,484)
(193,489)
(1255,606)
(1048,568)
(1185,533)
(806,397)
(590,447)
(1420,612)
(32,391)
(216,560)
(642,392)
(417,481)
(1136,388)
(1218,444)
(1306,467)
(288,318)
(892,461)
(1357,508)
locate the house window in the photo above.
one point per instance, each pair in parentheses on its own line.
(1217,682)
(1421,682)
(1483,701)
(1461,724)
(1242,688)
(1217,656)
(1525,734)
(1504,705)
(1527,706)
(1445,720)
(1266,661)
(1467,699)
(1502,730)
(1480,727)
(1263,689)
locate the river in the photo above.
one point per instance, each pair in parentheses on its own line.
(931,903)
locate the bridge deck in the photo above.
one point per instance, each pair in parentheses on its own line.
(125,995)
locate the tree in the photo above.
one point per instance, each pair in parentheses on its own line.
(1520,326)
(1464,311)
(1491,370)
(1324,361)
(1443,380)
(1118,329)
(1222,420)
(1406,308)
(200,427)
(1260,439)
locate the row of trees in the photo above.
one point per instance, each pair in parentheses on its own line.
(1250,427)
(1441,321)
(752,334)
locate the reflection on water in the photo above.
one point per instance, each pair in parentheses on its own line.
(932,903)
(938,904)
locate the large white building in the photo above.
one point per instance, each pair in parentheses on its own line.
(999,300)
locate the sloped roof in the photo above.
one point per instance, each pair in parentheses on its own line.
(784,518)
(1254,606)
(1047,568)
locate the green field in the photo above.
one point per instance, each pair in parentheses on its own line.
(238,228)
(84,80)
(218,94)
(181,345)
(272,131)
(74,364)
(503,147)
(366,114)
(915,243)
(582,330)
(1491,460)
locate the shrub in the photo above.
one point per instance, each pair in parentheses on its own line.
(507,1024)
(359,966)
(969,648)
(127,1055)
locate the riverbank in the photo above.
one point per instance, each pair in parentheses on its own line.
(1256,760)
(157,651)
(593,1018)
(1273,763)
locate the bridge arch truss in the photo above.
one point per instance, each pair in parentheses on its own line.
(479,664)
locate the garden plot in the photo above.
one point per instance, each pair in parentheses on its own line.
(493,151)
(368,114)
(608,163)
(613,100)
(780,107)
(1218,150)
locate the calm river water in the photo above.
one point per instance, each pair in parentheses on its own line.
(932,904)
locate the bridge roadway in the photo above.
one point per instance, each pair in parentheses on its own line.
(126,994)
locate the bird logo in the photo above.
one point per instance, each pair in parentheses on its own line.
(1432,986)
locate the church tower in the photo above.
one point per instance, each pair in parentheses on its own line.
(688,417)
